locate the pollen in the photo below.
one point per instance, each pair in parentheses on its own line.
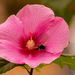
(30,44)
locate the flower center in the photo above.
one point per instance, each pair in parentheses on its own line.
(30,44)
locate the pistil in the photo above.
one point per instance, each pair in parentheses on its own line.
(30,44)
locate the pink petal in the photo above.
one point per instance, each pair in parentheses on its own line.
(40,34)
(11,52)
(56,37)
(32,15)
(12,30)
(40,57)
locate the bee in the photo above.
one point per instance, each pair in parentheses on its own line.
(39,47)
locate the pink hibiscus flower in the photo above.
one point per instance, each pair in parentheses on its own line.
(33,36)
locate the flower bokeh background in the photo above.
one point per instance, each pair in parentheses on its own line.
(62,8)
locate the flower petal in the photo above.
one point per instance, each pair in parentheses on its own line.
(41,57)
(56,37)
(11,52)
(32,15)
(12,30)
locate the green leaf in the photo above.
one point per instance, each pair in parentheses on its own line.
(66,60)
(39,67)
(6,66)
(3,62)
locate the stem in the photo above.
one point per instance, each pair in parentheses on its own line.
(26,69)
(31,71)
(69,55)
